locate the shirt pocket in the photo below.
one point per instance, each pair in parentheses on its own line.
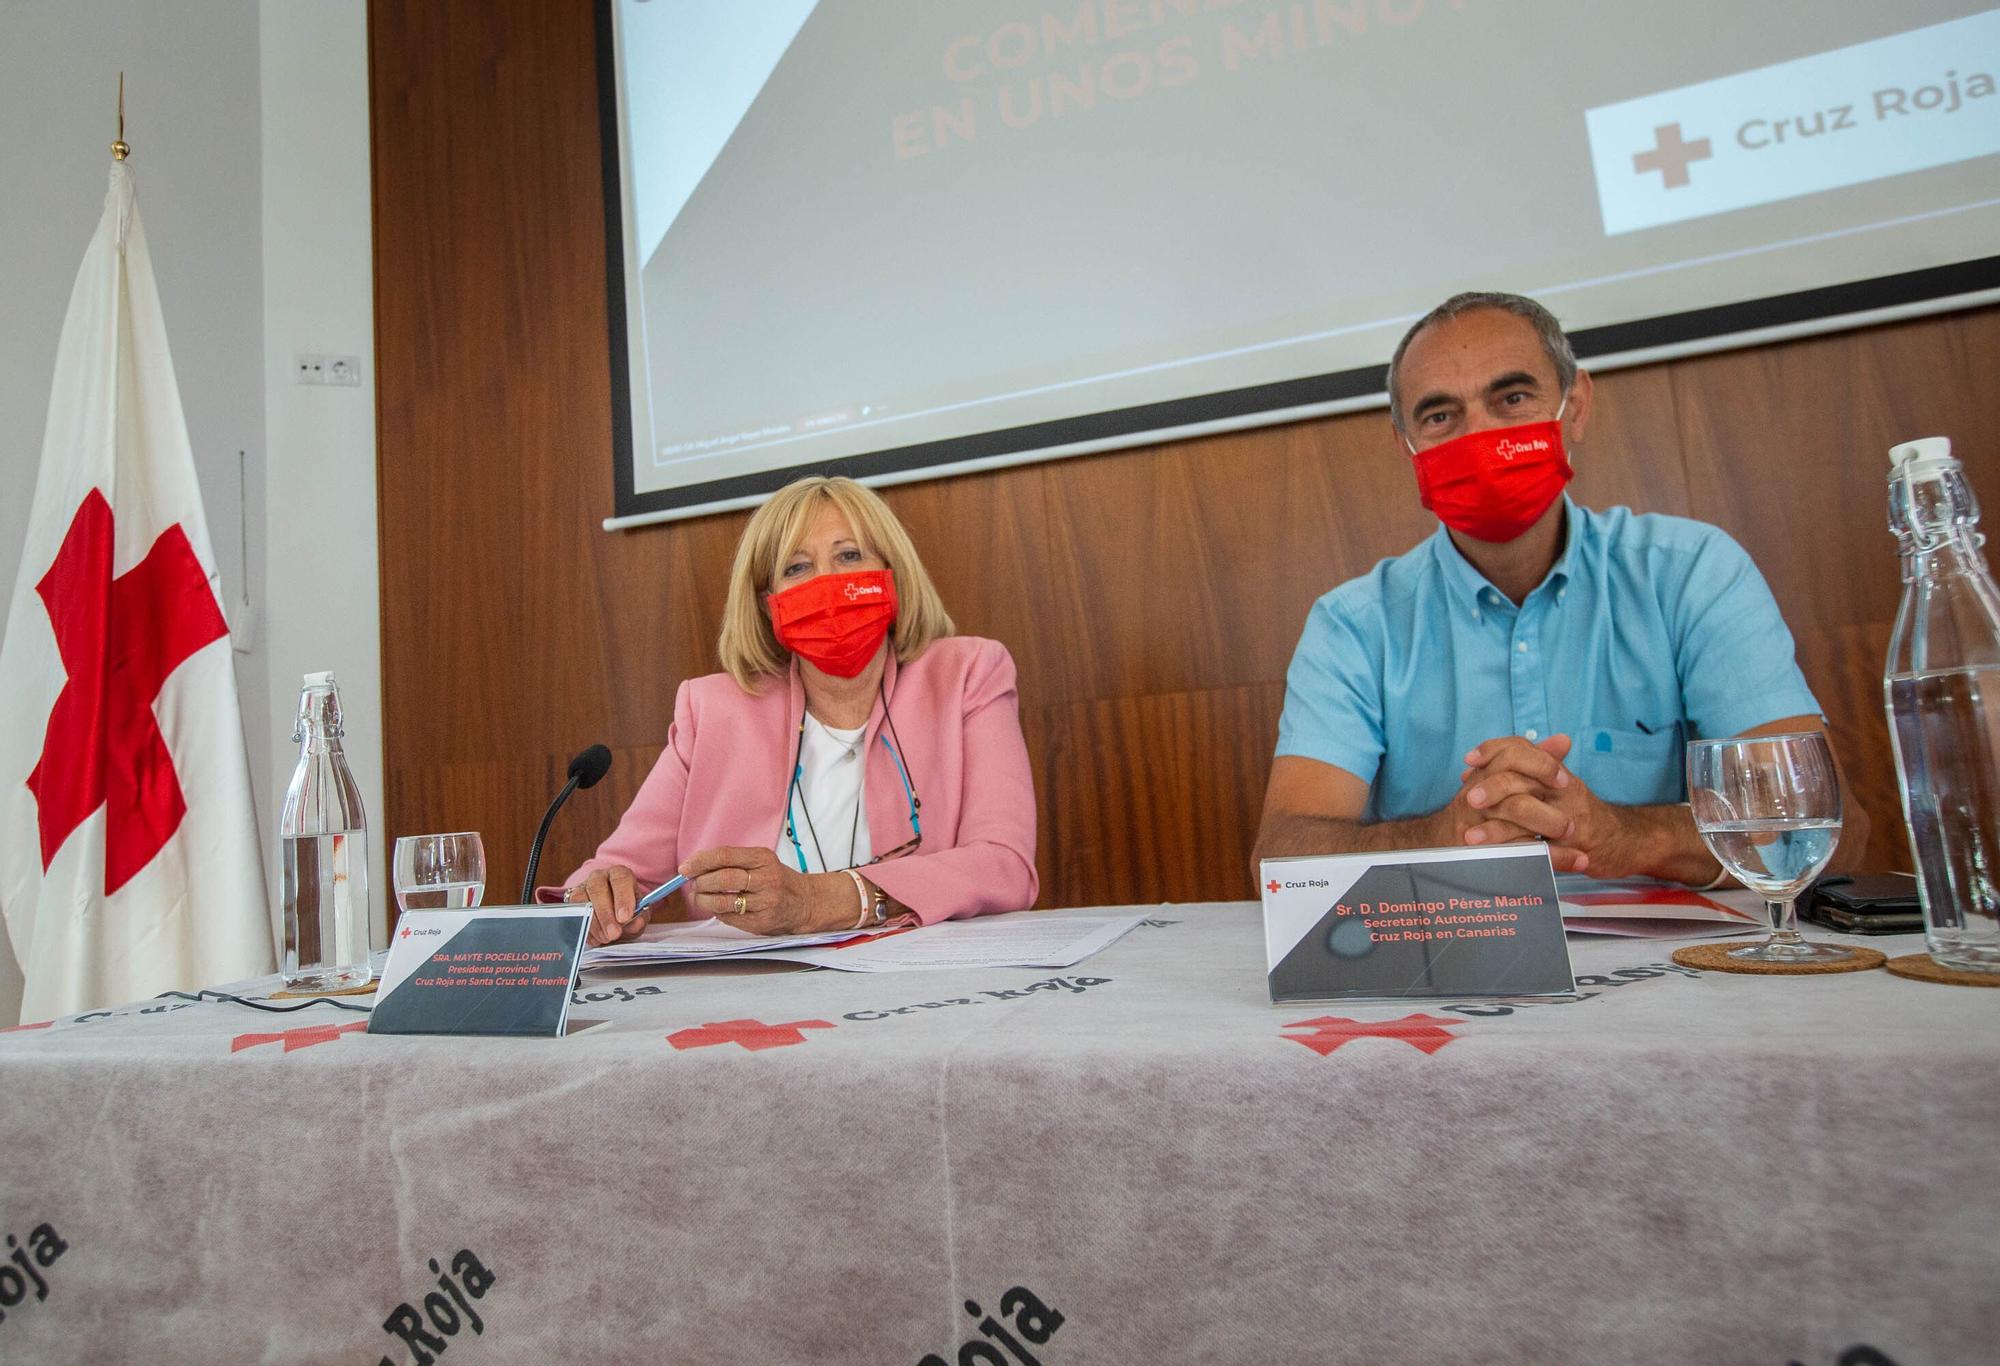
(1632,767)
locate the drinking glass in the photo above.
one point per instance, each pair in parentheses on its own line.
(1768,807)
(439,872)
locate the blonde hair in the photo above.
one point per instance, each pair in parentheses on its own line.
(749,649)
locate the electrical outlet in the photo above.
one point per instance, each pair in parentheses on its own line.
(309,369)
(343,370)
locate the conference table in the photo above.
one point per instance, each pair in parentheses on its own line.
(1136,1159)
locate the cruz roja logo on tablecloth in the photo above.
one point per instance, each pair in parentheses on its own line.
(305,1036)
(93,1016)
(1427,1032)
(1072,985)
(25,1264)
(616,993)
(1423,1032)
(756,1036)
(427,1326)
(1034,1323)
(1623,977)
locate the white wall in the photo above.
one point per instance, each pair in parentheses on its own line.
(320,475)
(248,121)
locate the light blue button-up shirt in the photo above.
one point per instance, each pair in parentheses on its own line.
(1649,630)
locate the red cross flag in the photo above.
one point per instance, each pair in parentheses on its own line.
(128,850)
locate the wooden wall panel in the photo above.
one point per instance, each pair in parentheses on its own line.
(1150,597)
(1142,797)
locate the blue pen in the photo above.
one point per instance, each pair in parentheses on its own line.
(659,894)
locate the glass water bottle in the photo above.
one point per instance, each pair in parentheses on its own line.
(325,837)
(1942,689)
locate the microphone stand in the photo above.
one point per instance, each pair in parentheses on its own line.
(535,851)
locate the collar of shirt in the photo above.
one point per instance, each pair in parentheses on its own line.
(1475,595)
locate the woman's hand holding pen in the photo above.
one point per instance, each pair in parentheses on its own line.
(748,888)
(613,894)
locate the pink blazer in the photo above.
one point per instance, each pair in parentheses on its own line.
(726,770)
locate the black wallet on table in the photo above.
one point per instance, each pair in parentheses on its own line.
(1865,903)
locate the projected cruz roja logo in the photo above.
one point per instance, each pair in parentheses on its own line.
(1671,155)
(1894,102)
(1674,153)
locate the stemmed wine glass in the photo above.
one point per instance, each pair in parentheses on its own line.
(439,872)
(1768,807)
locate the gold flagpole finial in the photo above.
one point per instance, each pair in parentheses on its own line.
(119,149)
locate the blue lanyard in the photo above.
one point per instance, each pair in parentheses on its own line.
(795,799)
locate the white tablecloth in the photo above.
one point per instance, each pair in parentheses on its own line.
(1139,1159)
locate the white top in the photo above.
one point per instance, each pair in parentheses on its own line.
(831,790)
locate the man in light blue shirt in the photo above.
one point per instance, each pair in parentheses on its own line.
(1535,669)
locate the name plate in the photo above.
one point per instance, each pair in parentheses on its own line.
(491,970)
(1415,925)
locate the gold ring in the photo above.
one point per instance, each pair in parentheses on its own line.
(740,905)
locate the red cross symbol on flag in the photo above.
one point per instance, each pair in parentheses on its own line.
(119,640)
(1425,1032)
(754,1035)
(303,1037)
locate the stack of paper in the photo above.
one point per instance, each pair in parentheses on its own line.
(1024,939)
(1639,909)
(701,940)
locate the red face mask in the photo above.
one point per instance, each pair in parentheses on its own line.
(1492,485)
(837,621)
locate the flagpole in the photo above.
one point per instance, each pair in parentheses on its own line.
(119,149)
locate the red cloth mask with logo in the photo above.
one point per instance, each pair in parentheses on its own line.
(837,621)
(1492,485)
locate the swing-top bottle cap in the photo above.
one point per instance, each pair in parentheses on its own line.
(1921,456)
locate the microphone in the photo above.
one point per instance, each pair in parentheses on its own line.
(588,767)
(584,771)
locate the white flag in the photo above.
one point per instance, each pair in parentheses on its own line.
(128,849)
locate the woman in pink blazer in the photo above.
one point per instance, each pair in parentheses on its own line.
(855,763)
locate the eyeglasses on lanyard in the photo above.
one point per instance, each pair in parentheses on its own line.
(795,799)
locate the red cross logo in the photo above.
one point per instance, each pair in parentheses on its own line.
(406,934)
(303,1037)
(119,640)
(1329,1032)
(754,1035)
(1671,157)
(1272,886)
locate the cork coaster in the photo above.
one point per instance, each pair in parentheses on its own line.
(1922,967)
(1715,958)
(315,995)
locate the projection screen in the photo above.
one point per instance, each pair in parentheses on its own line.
(903,238)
